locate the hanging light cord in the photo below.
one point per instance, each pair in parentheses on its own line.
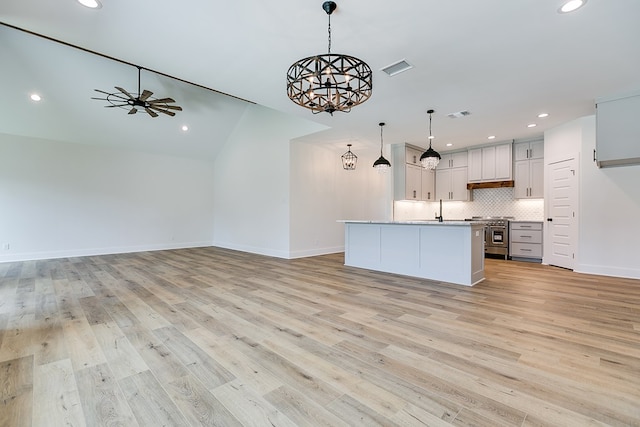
(381,126)
(430,136)
(329,31)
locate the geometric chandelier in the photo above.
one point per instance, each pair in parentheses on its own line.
(329,82)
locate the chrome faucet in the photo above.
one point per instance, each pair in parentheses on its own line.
(439,218)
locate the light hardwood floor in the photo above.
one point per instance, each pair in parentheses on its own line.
(216,337)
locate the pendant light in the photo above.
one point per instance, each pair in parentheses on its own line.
(329,82)
(430,158)
(349,159)
(381,164)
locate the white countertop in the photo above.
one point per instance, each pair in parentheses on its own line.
(422,222)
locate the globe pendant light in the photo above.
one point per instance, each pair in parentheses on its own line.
(329,82)
(349,159)
(382,164)
(430,158)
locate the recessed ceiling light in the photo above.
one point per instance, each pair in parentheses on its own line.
(571,5)
(92,4)
(531,125)
(543,115)
(449,144)
(35,97)
(491,137)
(185,128)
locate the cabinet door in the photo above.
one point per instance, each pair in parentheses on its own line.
(413,180)
(489,163)
(412,156)
(459,184)
(536,175)
(474,170)
(536,150)
(503,162)
(459,159)
(428,185)
(521,151)
(445,162)
(443,184)
(521,175)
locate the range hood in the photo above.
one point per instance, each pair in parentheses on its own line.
(490,184)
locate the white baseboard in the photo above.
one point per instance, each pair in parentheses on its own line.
(73,253)
(606,270)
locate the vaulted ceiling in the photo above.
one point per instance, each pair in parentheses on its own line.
(504,61)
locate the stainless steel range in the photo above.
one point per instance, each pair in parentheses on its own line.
(496,234)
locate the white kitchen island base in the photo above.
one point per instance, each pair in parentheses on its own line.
(449,251)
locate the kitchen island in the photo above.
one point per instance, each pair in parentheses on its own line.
(448,251)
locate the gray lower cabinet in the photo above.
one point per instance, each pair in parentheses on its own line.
(525,240)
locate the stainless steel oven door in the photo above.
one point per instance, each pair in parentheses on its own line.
(498,236)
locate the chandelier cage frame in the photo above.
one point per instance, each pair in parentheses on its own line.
(329,82)
(349,160)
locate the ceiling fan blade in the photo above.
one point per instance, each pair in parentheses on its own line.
(115,105)
(161,101)
(145,94)
(100,99)
(160,110)
(102,91)
(151,113)
(133,110)
(125,92)
(169,107)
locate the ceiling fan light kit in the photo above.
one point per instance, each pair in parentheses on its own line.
(329,82)
(143,100)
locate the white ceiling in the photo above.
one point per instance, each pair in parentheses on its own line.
(503,60)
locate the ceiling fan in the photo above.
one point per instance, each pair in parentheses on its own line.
(142,100)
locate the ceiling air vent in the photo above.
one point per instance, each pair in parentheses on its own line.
(397,68)
(458,114)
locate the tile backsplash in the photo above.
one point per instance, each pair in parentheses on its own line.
(486,202)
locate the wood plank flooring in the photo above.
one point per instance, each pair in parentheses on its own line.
(216,337)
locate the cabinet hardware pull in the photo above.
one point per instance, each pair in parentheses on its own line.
(414,194)
(526,237)
(525,250)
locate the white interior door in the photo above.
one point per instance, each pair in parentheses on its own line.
(561,214)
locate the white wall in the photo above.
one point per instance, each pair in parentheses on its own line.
(609,212)
(322,192)
(61,199)
(609,203)
(252,183)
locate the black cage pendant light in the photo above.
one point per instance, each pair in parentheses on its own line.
(382,164)
(329,82)
(430,158)
(349,159)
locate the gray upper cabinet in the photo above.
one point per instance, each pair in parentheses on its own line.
(491,163)
(618,131)
(410,180)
